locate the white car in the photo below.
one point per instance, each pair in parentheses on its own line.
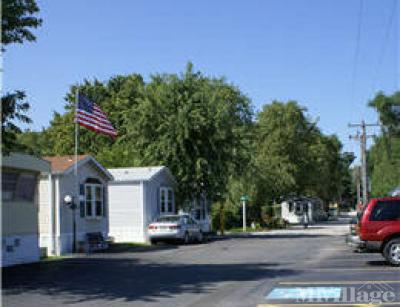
(175,228)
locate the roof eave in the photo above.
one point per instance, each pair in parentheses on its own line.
(83,161)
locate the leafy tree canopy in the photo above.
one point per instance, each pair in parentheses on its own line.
(384,155)
(18,17)
(14,108)
(194,124)
(293,156)
(116,97)
(388,108)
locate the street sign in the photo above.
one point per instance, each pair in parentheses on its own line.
(244,198)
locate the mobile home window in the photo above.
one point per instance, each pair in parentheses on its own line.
(9,185)
(170,200)
(99,200)
(166,200)
(93,200)
(88,200)
(26,187)
(17,186)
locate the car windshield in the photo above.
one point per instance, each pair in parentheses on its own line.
(168,219)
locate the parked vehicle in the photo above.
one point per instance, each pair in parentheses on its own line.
(378,228)
(181,228)
(353,238)
(395,192)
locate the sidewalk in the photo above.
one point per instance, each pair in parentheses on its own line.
(328,228)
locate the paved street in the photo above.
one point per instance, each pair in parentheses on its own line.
(236,271)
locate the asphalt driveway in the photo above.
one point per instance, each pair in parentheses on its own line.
(235,271)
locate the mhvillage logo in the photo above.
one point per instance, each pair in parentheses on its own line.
(368,293)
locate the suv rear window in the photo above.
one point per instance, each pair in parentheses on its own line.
(386,211)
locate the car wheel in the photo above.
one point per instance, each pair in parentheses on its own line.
(186,238)
(200,237)
(392,252)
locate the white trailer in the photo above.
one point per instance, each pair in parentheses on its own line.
(292,210)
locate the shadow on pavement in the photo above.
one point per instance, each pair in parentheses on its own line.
(85,279)
(266,236)
(133,248)
(378,263)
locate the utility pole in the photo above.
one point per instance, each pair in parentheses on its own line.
(362,138)
(358,183)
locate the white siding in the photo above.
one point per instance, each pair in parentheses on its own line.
(126,212)
(69,185)
(45,218)
(134,204)
(20,223)
(25,251)
(62,215)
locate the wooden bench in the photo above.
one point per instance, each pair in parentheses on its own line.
(95,241)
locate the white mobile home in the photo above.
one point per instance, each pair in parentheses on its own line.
(88,189)
(137,196)
(292,209)
(20,207)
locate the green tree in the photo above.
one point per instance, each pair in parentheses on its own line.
(14,108)
(18,18)
(384,155)
(294,157)
(384,166)
(282,142)
(329,170)
(388,108)
(116,97)
(195,125)
(32,142)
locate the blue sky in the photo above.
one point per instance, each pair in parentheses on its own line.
(302,50)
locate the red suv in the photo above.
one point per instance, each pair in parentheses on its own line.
(379,228)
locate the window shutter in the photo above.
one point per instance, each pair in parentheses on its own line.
(82,208)
(105,204)
(82,189)
(158,201)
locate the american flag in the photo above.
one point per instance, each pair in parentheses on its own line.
(89,115)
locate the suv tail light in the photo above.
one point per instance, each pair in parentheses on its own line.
(152,227)
(175,227)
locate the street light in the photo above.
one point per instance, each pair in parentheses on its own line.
(68,199)
(70,203)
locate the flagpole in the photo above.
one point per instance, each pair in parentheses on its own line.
(76,200)
(76,134)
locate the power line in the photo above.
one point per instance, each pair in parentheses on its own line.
(357,50)
(382,53)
